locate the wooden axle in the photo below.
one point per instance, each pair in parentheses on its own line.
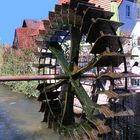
(39,77)
(53,77)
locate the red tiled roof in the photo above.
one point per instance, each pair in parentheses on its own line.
(24,37)
(63,1)
(102,3)
(33,24)
(119,2)
(106,4)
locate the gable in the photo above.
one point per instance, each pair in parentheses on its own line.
(33,24)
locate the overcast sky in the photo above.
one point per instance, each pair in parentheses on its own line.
(13,12)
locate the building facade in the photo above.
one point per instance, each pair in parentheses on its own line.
(130,14)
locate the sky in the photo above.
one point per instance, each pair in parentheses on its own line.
(13,12)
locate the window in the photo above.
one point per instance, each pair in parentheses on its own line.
(138,13)
(138,41)
(128,11)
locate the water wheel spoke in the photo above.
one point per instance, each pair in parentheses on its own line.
(102,60)
(80,92)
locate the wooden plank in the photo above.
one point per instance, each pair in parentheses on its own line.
(106,111)
(110,41)
(91,13)
(126,113)
(105,26)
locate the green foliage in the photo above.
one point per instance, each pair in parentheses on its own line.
(19,62)
(27,87)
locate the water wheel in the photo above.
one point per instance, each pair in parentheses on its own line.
(76,22)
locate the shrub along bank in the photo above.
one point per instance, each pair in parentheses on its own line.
(18,62)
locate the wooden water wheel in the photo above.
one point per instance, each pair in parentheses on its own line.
(76,22)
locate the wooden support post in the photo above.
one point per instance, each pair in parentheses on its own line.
(75,44)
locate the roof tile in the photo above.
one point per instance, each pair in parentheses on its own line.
(25,37)
(33,24)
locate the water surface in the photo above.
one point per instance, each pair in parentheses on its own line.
(20,119)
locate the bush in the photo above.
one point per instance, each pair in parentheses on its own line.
(18,62)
